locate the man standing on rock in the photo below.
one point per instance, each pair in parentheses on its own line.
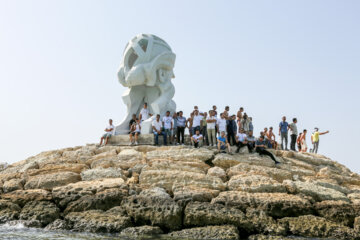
(294,133)
(283,133)
(181,124)
(157,130)
(315,139)
(168,125)
(144,113)
(109,131)
(221,124)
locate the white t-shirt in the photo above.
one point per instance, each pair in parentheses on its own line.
(196,137)
(110,127)
(137,128)
(144,114)
(197,120)
(157,125)
(241,137)
(167,122)
(222,124)
(212,124)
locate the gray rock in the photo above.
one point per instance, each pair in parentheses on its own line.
(104,200)
(99,173)
(13,185)
(203,214)
(49,181)
(8,211)
(156,207)
(226,232)
(111,221)
(142,231)
(58,224)
(43,211)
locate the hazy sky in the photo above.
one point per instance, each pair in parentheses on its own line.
(58,64)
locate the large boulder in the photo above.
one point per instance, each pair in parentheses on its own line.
(217,172)
(21,197)
(99,173)
(43,211)
(247,169)
(311,226)
(154,206)
(134,232)
(204,214)
(274,204)
(8,211)
(315,191)
(168,179)
(111,221)
(226,161)
(254,183)
(338,211)
(57,168)
(181,154)
(72,192)
(103,200)
(226,232)
(191,193)
(13,185)
(52,180)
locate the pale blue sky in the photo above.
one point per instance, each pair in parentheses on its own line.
(58,64)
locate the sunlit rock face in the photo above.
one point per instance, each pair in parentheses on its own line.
(182,192)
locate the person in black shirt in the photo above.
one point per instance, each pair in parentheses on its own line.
(231,129)
(260,148)
(132,121)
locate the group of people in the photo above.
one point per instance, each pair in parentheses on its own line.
(217,130)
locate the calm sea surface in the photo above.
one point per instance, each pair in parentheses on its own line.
(19,232)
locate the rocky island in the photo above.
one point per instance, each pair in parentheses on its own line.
(182,192)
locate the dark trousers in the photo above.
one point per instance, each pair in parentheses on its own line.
(265,152)
(241,144)
(156,135)
(231,135)
(205,135)
(293,142)
(180,133)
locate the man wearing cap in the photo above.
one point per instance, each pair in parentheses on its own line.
(315,139)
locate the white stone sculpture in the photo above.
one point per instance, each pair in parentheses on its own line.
(146,69)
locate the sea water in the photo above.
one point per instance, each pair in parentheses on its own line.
(19,232)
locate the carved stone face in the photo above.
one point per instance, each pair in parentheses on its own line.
(147,60)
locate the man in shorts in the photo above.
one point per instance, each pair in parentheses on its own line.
(109,131)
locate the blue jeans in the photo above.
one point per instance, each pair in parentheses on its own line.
(156,135)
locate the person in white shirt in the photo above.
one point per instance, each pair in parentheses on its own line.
(211,123)
(197,139)
(157,130)
(241,140)
(109,131)
(168,125)
(144,113)
(197,120)
(135,130)
(221,124)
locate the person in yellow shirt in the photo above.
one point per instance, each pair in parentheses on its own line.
(315,139)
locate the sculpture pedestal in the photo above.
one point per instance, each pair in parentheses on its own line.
(144,139)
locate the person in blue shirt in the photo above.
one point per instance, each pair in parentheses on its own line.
(283,132)
(181,125)
(260,148)
(223,143)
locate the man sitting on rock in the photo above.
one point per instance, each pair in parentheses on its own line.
(109,131)
(157,130)
(260,148)
(197,139)
(223,143)
(251,141)
(241,140)
(135,130)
